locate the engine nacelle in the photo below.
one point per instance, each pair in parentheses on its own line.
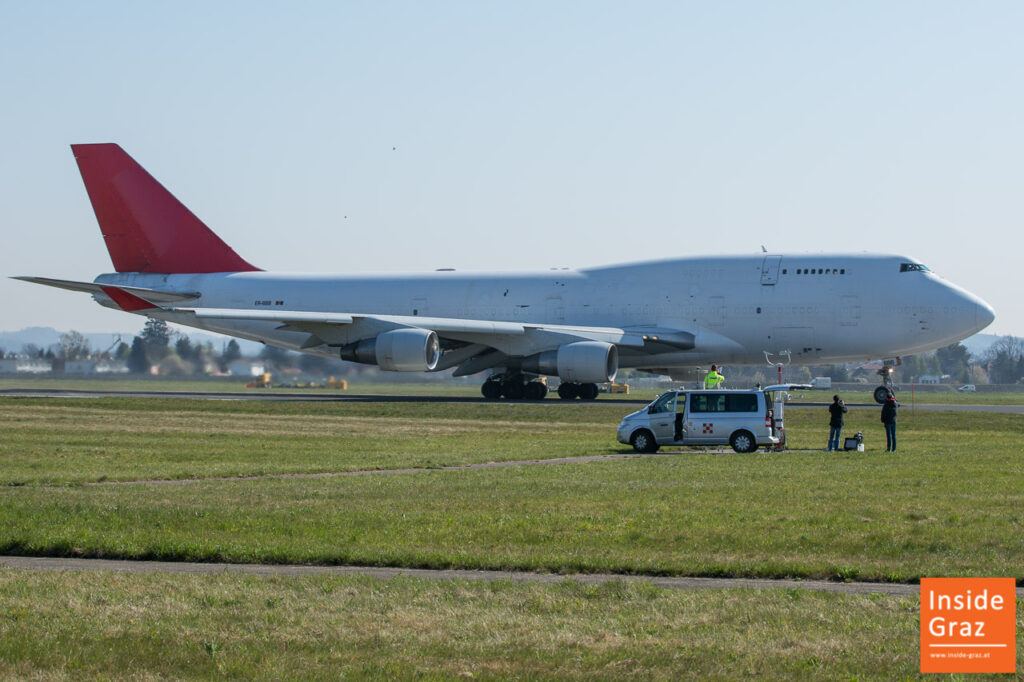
(582,362)
(399,350)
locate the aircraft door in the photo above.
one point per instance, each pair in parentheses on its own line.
(770,270)
(716,311)
(554,310)
(849,311)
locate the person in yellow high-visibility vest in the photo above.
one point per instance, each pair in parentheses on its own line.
(713,379)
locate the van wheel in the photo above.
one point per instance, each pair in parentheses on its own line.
(743,441)
(643,441)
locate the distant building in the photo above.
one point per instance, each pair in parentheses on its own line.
(95,367)
(866,371)
(23,365)
(246,368)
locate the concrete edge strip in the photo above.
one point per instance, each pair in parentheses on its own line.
(670,582)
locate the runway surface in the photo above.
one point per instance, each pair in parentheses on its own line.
(265,396)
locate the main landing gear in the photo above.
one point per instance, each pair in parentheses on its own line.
(571,391)
(519,387)
(513,388)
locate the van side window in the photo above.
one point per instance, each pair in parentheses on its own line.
(707,402)
(723,402)
(741,403)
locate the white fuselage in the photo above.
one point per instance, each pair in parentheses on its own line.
(818,308)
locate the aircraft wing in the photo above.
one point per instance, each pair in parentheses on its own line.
(472,344)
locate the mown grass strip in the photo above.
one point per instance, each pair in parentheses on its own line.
(710,515)
(69,441)
(70,626)
(948,504)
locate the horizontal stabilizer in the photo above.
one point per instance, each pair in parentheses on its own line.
(157,297)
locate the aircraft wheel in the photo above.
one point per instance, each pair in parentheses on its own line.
(568,391)
(512,389)
(491,389)
(881,393)
(588,391)
(535,390)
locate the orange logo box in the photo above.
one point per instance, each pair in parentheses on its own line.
(968,625)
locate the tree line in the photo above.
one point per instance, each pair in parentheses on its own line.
(175,354)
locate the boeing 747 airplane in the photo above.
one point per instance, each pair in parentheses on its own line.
(667,316)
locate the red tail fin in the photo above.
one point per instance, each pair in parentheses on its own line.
(145,227)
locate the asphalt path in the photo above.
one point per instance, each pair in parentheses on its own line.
(270,396)
(672,582)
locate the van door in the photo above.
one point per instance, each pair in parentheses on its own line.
(703,418)
(662,415)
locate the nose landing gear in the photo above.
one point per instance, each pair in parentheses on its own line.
(887,387)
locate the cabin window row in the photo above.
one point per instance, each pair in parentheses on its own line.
(816,271)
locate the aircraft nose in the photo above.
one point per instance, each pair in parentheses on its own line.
(974,314)
(983,314)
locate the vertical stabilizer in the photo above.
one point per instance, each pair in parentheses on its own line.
(146,229)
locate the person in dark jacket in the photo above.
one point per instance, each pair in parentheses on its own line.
(836,411)
(889,408)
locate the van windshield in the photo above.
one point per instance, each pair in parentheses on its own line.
(665,403)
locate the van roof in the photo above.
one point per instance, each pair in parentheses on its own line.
(773,387)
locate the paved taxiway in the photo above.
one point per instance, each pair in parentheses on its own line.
(265,396)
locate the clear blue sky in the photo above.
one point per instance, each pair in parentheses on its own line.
(391,136)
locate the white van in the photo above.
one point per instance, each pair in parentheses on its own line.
(740,418)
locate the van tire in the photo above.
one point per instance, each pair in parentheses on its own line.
(643,441)
(743,441)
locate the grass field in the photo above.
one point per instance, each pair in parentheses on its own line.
(950,503)
(90,625)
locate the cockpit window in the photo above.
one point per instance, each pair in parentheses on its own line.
(913,267)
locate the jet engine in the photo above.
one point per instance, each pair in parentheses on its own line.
(581,362)
(399,350)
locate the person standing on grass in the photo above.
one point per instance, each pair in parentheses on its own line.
(889,408)
(836,411)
